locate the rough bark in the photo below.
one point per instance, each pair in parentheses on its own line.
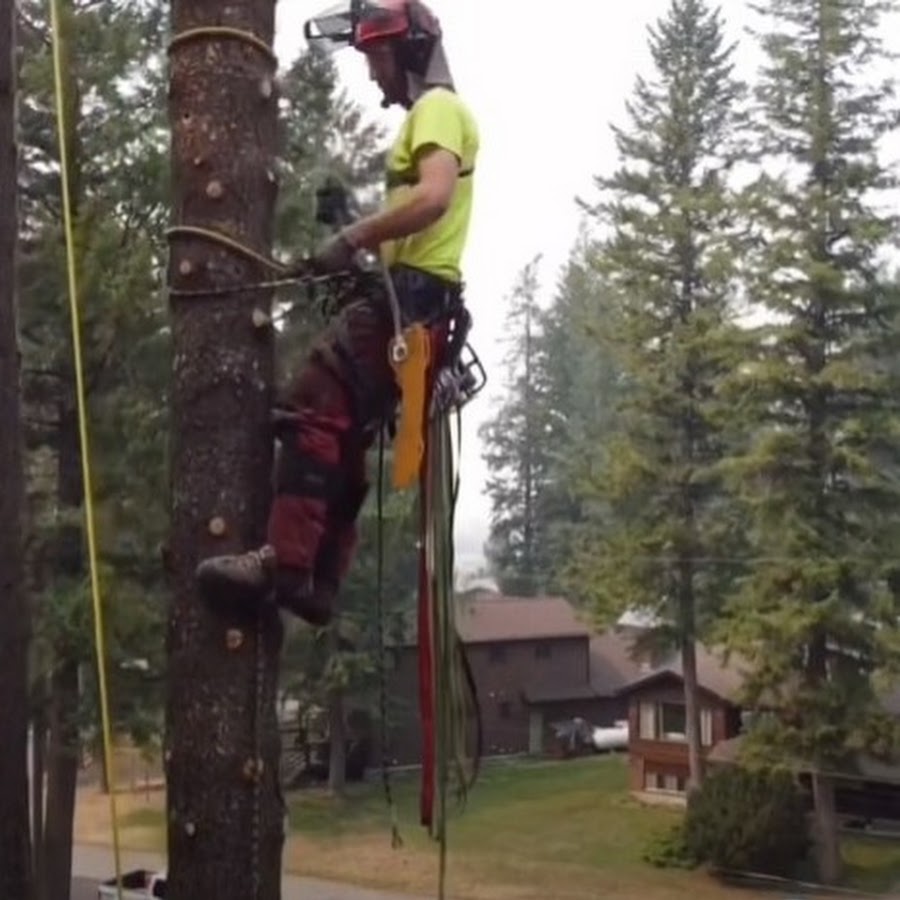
(692,713)
(38,774)
(63,738)
(14,633)
(825,831)
(62,781)
(337,751)
(225,823)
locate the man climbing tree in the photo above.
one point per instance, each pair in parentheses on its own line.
(342,395)
(14,823)
(225,819)
(222,742)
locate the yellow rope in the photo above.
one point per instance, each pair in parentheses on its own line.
(223,239)
(83,431)
(224,31)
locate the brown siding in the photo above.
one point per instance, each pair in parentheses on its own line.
(500,684)
(669,757)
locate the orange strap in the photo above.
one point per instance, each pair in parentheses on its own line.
(411,375)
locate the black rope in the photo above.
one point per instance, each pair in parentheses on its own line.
(396,839)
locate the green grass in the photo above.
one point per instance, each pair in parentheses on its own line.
(576,812)
(567,830)
(872,864)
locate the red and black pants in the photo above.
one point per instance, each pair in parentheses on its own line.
(342,395)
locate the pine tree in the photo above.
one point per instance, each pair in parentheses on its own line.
(668,263)
(113,117)
(15,880)
(225,815)
(816,616)
(584,388)
(517,453)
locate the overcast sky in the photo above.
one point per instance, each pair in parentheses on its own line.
(545,81)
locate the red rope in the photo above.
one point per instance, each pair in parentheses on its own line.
(438,340)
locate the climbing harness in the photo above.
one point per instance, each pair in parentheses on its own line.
(72,285)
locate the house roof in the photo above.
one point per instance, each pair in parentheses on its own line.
(861,766)
(614,663)
(487,617)
(713,675)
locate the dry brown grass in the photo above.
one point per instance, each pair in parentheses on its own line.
(566,832)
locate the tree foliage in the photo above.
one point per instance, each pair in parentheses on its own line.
(747,820)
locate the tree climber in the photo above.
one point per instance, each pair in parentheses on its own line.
(346,389)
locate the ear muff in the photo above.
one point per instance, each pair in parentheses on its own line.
(415,47)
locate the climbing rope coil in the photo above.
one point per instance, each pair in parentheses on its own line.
(447,692)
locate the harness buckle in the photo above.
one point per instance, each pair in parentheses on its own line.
(459,381)
(399,350)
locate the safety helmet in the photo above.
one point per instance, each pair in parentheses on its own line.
(386,19)
(410,26)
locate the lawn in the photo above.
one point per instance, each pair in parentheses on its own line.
(530,831)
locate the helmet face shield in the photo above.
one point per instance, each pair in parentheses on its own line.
(356,23)
(409,26)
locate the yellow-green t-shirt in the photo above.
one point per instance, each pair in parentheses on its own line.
(437,119)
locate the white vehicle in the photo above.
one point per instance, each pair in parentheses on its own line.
(611,738)
(140,884)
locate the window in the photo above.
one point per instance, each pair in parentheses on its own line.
(497,653)
(672,722)
(667,722)
(542,650)
(648,721)
(664,783)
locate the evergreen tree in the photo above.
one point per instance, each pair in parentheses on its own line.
(584,387)
(15,880)
(815,615)
(113,55)
(517,452)
(668,262)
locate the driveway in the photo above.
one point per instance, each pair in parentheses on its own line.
(91,864)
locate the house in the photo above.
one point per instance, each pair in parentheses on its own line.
(657,743)
(867,789)
(534,660)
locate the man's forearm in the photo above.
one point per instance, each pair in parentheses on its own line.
(416,214)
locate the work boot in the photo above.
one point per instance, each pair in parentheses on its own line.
(295,592)
(244,576)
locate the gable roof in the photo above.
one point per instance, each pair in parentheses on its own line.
(713,675)
(614,663)
(486,617)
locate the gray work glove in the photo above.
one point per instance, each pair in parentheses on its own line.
(335,254)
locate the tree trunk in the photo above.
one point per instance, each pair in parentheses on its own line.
(38,775)
(62,780)
(692,713)
(63,738)
(337,757)
(825,830)
(225,814)
(15,866)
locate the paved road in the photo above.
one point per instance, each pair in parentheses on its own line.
(84,889)
(90,864)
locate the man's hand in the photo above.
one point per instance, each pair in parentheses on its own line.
(334,255)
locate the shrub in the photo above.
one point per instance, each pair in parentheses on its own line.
(747,821)
(668,850)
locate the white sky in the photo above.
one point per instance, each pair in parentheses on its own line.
(544,81)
